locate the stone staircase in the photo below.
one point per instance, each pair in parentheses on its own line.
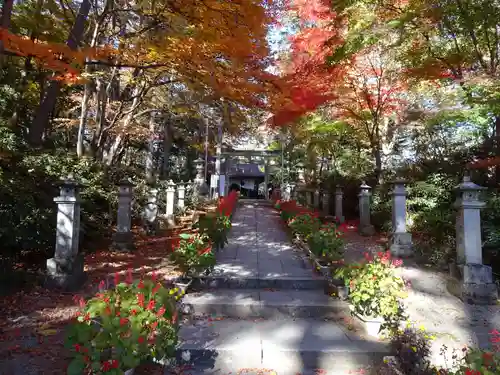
(264,310)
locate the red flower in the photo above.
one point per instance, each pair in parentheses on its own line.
(107,311)
(153,276)
(154,325)
(140,299)
(156,289)
(161,311)
(397,262)
(205,251)
(140,340)
(487,357)
(81,302)
(151,305)
(133,311)
(102,285)
(140,285)
(494,332)
(77,347)
(123,321)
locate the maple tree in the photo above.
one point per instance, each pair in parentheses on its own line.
(362,89)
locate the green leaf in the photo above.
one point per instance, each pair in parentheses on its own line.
(76,367)
(185,236)
(394,23)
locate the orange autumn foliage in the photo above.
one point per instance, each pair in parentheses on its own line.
(57,57)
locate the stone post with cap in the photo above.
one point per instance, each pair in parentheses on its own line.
(326,203)
(401,241)
(365,226)
(123,238)
(66,269)
(200,187)
(477,279)
(151,211)
(316,198)
(181,195)
(339,198)
(170,193)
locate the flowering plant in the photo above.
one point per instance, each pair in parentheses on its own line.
(374,289)
(479,361)
(120,327)
(327,242)
(194,253)
(304,225)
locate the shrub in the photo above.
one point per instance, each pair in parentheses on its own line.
(194,253)
(327,242)
(375,290)
(304,225)
(412,349)
(120,327)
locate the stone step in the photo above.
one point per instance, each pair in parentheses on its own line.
(285,346)
(280,282)
(268,304)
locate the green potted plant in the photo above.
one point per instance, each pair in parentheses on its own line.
(375,291)
(121,327)
(194,255)
(325,247)
(304,225)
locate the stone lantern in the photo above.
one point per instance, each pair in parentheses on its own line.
(401,242)
(66,269)
(478,286)
(123,237)
(365,226)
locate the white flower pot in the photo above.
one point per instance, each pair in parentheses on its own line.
(371,324)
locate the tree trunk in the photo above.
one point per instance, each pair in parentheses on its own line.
(167,146)
(46,107)
(377,155)
(150,169)
(497,148)
(5,24)
(82,125)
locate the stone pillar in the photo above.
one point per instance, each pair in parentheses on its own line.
(170,201)
(294,192)
(123,238)
(326,203)
(309,198)
(151,211)
(181,195)
(401,242)
(287,192)
(339,201)
(200,188)
(65,270)
(478,286)
(316,199)
(365,227)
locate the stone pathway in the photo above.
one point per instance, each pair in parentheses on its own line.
(264,309)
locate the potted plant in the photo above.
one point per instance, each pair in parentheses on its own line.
(325,247)
(121,327)
(304,225)
(375,291)
(194,255)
